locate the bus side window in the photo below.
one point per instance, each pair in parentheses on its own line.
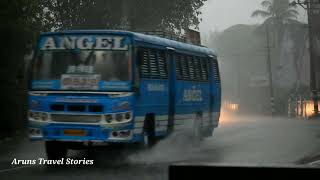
(214,70)
(184,67)
(204,69)
(216,73)
(162,65)
(152,64)
(191,68)
(197,68)
(143,62)
(178,67)
(138,70)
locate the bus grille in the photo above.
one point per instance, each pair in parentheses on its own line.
(76,118)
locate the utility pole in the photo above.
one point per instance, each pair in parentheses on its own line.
(313,84)
(270,72)
(312,7)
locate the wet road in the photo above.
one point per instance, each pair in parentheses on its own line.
(239,139)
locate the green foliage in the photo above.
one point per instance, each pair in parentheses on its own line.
(122,14)
(14,37)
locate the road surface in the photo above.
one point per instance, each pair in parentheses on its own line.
(239,140)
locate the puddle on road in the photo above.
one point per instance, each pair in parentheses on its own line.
(177,147)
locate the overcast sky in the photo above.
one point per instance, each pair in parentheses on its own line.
(221,14)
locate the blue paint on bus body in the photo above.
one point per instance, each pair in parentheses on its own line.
(152,97)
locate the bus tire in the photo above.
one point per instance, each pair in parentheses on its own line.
(149,135)
(55,150)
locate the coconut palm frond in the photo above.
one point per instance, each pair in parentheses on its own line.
(270,8)
(281,5)
(271,21)
(293,21)
(266,3)
(267,24)
(293,11)
(289,15)
(261,13)
(277,13)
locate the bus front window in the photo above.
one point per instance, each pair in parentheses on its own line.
(104,65)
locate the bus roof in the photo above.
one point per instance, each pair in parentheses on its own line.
(142,38)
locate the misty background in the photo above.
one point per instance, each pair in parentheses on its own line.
(239,31)
(219,15)
(236,30)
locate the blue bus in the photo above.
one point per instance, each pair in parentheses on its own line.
(93,87)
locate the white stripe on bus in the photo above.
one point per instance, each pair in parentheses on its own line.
(162,117)
(161,128)
(180,127)
(137,131)
(184,116)
(138,125)
(162,123)
(158,118)
(139,119)
(180,118)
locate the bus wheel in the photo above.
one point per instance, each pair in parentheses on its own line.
(55,150)
(196,131)
(150,138)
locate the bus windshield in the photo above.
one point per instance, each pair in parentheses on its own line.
(90,65)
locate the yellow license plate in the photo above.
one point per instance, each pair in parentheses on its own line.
(74,132)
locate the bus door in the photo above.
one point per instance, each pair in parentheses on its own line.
(152,98)
(172,87)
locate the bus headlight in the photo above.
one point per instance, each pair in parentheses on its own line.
(44,116)
(127,115)
(30,115)
(38,116)
(119,117)
(108,118)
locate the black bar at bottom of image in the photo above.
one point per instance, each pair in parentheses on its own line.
(213,171)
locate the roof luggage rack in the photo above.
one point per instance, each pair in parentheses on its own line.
(164,34)
(191,36)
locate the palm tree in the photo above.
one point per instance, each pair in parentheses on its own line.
(278,13)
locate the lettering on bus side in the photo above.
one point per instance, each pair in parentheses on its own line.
(192,95)
(155,87)
(84,42)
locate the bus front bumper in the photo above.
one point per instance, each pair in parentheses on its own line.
(82,133)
